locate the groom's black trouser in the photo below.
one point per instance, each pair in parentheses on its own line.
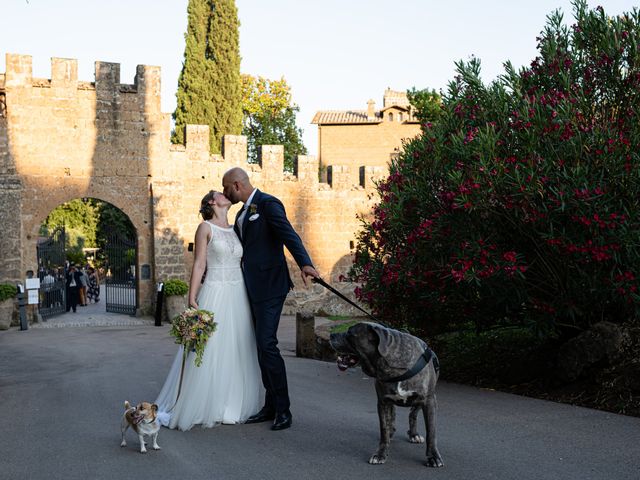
(266,315)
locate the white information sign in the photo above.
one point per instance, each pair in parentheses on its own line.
(33,297)
(33,283)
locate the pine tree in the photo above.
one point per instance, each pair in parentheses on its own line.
(209,84)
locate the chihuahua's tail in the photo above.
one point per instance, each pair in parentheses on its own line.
(127,405)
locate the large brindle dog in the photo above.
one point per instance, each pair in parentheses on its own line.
(406,373)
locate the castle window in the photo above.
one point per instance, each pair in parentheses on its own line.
(390,117)
(400,117)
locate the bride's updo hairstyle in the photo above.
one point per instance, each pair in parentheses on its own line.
(206,205)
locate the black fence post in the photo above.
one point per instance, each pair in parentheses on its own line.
(22,307)
(159,300)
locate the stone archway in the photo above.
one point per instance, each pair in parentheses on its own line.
(95,234)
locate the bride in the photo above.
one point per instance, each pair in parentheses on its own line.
(226,387)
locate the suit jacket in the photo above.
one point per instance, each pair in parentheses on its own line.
(265,232)
(76,275)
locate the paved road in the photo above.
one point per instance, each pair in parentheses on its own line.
(62,389)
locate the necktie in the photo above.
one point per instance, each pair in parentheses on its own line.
(241,218)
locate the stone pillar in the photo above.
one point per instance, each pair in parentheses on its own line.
(305,335)
(147,83)
(234,149)
(19,71)
(271,159)
(11,239)
(338,177)
(107,75)
(306,169)
(64,72)
(369,175)
(197,142)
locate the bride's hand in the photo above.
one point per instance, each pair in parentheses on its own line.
(193,303)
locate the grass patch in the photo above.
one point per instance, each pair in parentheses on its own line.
(343,327)
(337,318)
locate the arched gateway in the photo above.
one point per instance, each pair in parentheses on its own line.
(61,139)
(112,251)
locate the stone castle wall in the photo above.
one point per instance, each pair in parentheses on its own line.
(66,139)
(325,215)
(62,139)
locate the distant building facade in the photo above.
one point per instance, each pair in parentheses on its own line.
(353,138)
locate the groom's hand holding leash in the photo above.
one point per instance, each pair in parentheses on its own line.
(308,271)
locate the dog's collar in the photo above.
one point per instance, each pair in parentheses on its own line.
(422,362)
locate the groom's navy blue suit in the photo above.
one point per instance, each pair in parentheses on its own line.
(265,231)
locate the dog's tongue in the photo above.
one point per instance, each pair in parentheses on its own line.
(137,419)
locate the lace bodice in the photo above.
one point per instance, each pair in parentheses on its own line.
(224,252)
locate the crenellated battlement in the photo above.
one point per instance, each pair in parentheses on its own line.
(270,165)
(64,75)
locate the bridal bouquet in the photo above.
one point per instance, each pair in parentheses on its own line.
(191,329)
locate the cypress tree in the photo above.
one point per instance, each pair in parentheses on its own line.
(209,89)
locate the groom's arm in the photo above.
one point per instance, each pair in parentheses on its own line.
(277,218)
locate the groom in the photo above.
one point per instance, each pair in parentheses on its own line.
(263,229)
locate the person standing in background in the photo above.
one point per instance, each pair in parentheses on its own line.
(82,290)
(72,286)
(93,293)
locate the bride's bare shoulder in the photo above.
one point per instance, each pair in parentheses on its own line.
(203,230)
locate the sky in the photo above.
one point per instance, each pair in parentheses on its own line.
(335,54)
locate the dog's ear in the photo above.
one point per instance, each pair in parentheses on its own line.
(154,407)
(362,331)
(392,345)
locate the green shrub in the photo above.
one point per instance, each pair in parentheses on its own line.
(76,255)
(519,203)
(7,291)
(493,357)
(175,286)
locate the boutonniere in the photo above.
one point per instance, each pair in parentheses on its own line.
(253,209)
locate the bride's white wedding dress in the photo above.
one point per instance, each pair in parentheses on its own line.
(226,388)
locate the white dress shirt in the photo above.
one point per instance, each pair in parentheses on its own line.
(243,214)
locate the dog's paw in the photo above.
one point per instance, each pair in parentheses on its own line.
(123,443)
(143,450)
(434,461)
(377,459)
(416,438)
(157,447)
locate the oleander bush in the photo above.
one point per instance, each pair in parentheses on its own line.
(518,205)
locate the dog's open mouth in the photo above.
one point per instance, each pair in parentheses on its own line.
(347,361)
(137,419)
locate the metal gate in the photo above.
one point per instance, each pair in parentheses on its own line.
(121,282)
(51,262)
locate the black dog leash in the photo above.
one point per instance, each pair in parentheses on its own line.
(336,292)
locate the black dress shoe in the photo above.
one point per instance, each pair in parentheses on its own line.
(282,421)
(263,415)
